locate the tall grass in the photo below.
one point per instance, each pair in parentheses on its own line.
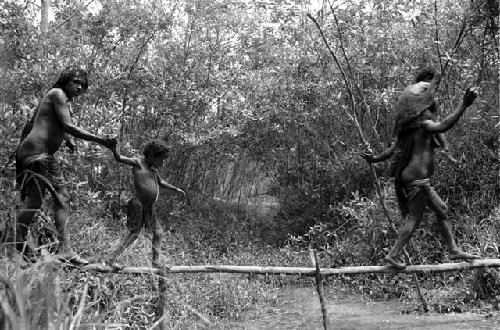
(31,298)
(45,295)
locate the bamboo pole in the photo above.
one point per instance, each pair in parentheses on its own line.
(303,271)
(319,289)
(162,299)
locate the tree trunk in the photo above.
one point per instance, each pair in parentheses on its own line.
(44,17)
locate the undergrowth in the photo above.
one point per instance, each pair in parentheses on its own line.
(200,234)
(45,295)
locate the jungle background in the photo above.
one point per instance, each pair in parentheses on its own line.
(261,124)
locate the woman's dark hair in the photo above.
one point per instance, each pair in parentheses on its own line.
(70,73)
(155,148)
(66,75)
(425,74)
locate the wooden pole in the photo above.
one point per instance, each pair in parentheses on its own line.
(303,271)
(319,289)
(162,299)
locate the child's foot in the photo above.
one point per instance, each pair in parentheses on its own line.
(73,258)
(113,264)
(157,265)
(394,264)
(461,255)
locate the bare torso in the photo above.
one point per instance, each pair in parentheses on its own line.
(145,183)
(421,164)
(47,133)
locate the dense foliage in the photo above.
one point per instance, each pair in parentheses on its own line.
(256,110)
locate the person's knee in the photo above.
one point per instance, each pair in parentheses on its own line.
(62,198)
(158,233)
(409,227)
(134,233)
(405,231)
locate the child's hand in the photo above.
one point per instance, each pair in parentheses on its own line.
(71,146)
(110,143)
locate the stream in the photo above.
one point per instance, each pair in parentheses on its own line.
(299,308)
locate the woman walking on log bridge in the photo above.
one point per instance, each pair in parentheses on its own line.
(416,133)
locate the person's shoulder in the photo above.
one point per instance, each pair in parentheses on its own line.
(427,123)
(56,93)
(141,162)
(418,88)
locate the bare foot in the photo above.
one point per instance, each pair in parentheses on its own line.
(461,255)
(73,258)
(157,265)
(167,267)
(114,264)
(394,264)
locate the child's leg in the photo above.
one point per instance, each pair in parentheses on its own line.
(124,243)
(134,224)
(157,238)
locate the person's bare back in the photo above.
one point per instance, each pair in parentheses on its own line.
(421,163)
(417,135)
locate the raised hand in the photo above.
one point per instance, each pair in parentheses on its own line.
(470,95)
(368,157)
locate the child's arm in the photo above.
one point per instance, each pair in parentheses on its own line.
(167,185)
(441,139)
(443,143)
(131,161)
(69,143)
(384,155)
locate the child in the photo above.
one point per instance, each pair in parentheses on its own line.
(140,209)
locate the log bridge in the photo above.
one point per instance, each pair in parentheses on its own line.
(304,271)
(162,273)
